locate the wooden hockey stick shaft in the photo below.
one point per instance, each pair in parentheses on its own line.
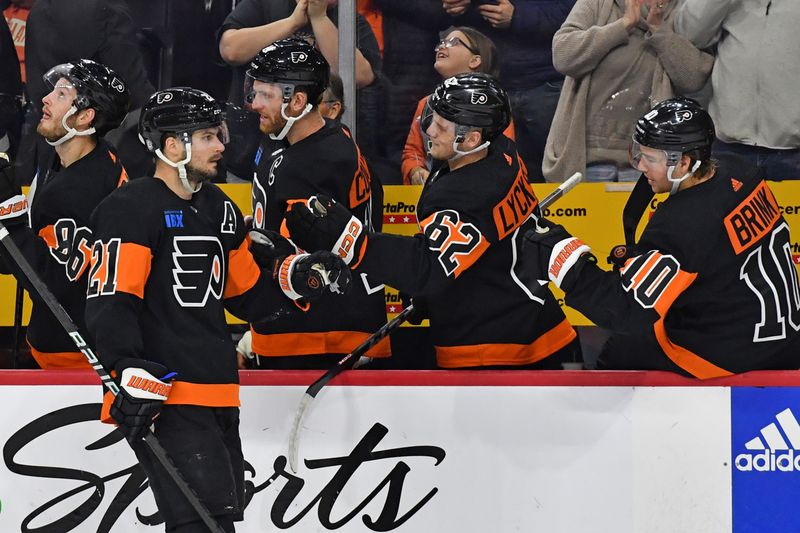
(72,330)
(352,358)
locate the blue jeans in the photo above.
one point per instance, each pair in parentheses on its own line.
(533,110)
(776,165)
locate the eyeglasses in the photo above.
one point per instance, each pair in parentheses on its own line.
(454,41)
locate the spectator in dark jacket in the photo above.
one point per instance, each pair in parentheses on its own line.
(523,32)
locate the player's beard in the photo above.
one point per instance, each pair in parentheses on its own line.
(53,130)
(198,175)
(272,126)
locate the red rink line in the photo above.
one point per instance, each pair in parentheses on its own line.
(443,378)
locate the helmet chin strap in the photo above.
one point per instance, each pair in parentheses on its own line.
(71,132)
(289,121)
(181,165)
(676,182)
(461,153)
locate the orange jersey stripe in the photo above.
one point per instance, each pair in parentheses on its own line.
(60,360)
(48,233)
(506,354)
(133,268)
(328,342)
(186,393)
(686,359)
(243,272)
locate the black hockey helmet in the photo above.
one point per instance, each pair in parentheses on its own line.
(178,111)
(475,100)
(98,87)
(679,125)
(294,64)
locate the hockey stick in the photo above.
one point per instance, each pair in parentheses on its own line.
(72,330)
(352,358)
(346,363)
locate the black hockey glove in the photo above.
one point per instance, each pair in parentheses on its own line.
(269,246)
(620,254)
(554,254)
(143,388)
(13,204)
(323,224)
(420,311)
(305,277)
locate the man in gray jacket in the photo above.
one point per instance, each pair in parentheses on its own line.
(754,78)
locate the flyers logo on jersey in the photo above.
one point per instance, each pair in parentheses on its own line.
(199,270)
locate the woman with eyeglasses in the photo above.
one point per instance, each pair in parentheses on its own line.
(461,50)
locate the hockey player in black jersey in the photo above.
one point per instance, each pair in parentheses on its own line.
(285,83)
(170,256)
(86,101)
(709,289)
(484,311)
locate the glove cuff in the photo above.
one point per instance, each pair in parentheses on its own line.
(564,256)
(14,208)
(350,245)
(284,276)
(142,385)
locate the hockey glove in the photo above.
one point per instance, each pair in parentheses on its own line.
(13,204)
(556,255)
(269,246)
(420,311)
(141,395)
(323,224)
(305,277)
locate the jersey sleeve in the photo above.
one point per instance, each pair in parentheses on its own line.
(635,299)
(120,267)
(427,262)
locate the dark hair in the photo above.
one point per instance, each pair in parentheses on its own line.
(336,88)
(484,45)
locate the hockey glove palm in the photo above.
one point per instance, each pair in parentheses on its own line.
(13,204)
(323,224)
(269,247)
(554,253)
(306,277)
(141,395)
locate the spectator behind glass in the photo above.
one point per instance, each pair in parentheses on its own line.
(332,104)
(462,50)
(10,92)
(620,57)
(523,32)
(755,79)
(59,32)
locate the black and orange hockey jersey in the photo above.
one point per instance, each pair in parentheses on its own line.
(58,246)
(484,311)
(163,271)
(328,162)
(711,289)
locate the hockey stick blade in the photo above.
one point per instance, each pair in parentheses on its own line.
(345,363)
(69,326)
